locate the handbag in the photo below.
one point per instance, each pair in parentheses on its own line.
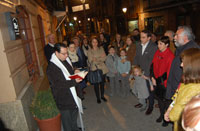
(95,76)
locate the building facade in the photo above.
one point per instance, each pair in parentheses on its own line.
(24,27)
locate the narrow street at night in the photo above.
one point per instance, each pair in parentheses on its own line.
(118,114)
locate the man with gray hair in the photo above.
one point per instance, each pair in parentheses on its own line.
(184,39)
(49,48)
(170,34)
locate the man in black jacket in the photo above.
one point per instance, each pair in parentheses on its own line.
(49,48)
(58,71)
(184,39)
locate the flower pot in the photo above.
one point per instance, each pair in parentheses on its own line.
(52,124)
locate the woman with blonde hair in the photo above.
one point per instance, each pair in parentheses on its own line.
(189,87)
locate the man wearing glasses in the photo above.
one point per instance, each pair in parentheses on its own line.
(58,72)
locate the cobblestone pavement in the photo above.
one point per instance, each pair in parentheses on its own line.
(118,114)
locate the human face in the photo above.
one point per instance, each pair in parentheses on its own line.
(63,54)
(136,72)
(162,46)
(122,53)
(169,35)
(143,37)
(76,42)
(52,39)
(94,43)
(85,42)
(135,32)
(112,51)
(72,47)
(118,37)
(128,41)
(101,37)
(179,38)
(153,38)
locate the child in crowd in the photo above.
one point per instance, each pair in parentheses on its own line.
(124,67)
(111,63)
(140,87)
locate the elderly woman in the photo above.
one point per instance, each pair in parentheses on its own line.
(188,89)
(96,59)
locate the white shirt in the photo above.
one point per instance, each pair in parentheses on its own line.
(51,44)
(144,46)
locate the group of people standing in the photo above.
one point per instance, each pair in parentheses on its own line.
(153,66)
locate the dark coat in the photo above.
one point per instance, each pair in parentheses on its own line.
(61,87)
(48,51)
(176,71)
(145,60)
(82,62)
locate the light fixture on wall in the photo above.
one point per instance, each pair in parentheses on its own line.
(124,10)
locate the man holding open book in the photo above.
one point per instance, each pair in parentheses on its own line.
(59,71)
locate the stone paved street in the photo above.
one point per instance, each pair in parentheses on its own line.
(118,114)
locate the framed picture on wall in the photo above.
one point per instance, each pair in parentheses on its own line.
(132,25)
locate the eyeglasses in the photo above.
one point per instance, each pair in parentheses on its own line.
(64,53)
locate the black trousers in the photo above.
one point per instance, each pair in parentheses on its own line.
(101,86)
(69,119)
(162,103)
(151,96)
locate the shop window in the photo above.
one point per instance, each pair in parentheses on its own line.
(28,43)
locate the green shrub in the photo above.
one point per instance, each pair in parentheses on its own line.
(43,105)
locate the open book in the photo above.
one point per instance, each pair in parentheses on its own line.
(80,75)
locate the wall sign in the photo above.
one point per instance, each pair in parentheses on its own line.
(13,26)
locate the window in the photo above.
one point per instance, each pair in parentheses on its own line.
(28,44)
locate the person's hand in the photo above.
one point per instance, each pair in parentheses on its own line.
(151,88)
(153,81)
(145,77)
(166,116)
(78,80)
(123,60)
(77,71)
(124,74)
(103,55)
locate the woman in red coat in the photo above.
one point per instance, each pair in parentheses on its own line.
(161,66)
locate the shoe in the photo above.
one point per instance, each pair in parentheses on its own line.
(159,119)
(165,124)
(143,108)
(98,101)
(149,111)
(104,99)
(138,105)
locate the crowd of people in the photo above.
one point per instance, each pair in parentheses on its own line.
(165,68)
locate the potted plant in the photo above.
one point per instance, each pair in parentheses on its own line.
(45,111)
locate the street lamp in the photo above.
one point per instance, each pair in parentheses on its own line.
(124,11)
(85,20)
(75,19)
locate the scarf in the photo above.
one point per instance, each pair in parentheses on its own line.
(73,56)
(66,74)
